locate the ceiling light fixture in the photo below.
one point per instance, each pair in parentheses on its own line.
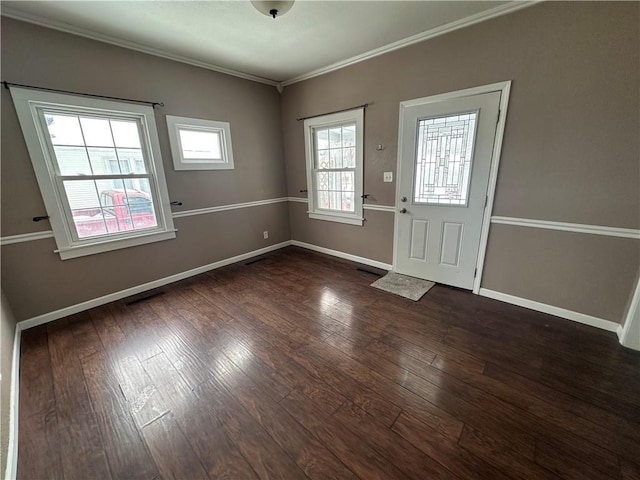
(272,8)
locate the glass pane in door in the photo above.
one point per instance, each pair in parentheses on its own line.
(444,153)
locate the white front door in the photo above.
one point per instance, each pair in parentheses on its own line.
(445,160)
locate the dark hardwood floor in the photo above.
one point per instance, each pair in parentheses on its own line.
(293,367)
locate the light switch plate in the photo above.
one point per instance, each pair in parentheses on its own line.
(388,177)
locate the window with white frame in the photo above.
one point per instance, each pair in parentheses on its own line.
(99,169)
(333,146)
(198,144)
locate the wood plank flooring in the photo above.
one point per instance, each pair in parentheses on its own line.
(293,367)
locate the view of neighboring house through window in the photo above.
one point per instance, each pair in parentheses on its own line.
(110,151)
(99,168)
(334,166)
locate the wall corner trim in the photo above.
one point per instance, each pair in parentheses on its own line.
(551,310)
(629,331)
(346,256)
(14,395)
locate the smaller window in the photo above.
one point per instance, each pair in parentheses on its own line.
(200,144)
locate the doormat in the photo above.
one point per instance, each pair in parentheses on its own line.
(407,287)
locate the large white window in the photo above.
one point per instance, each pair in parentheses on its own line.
(99,169)
(334,166)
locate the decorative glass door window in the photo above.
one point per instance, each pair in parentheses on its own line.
(335,162)
(444,155)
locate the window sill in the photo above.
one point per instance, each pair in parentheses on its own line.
(351,219)
(109,245)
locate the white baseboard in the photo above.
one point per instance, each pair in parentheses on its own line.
(551,310)
(346,256)
(12,446)
(96,302)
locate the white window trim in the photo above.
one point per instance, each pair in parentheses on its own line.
(223,128)
(310,124)
(27,103)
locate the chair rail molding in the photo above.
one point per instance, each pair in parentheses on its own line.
(567,227)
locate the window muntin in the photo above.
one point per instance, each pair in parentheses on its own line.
(198,144)
(90,158)
(444,153)
(334,166)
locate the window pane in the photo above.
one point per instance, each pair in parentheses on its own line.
(103,161)
(72,160)
(131,160)
(323,159)
(125,133)
(349,136)
(335,137)
(443,159)
(323,200)
(322,139)
(349,157)
(200,145)
(89,223)
(85,207)
(336,158)
(140,203)
(82,194)
(97,132)
(64,129)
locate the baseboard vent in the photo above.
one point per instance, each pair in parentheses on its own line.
(255,260)
(371,272)
(143,297)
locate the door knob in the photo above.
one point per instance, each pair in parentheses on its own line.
(403,210)
(403,199)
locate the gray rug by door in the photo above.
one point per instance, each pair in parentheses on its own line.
(408,287)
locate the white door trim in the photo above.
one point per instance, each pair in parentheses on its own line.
(504,88)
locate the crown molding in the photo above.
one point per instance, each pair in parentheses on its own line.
(67,28)
(419,37)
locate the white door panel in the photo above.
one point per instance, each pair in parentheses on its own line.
(442,186)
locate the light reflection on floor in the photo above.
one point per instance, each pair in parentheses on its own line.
(333,306)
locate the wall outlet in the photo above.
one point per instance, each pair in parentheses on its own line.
(388,177)
(265,234)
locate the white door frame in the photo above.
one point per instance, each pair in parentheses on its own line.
(504,88)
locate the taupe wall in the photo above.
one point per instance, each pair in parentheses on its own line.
(7,332)
(34,278)
(570,154)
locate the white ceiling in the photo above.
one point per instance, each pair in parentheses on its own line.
(314,36)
